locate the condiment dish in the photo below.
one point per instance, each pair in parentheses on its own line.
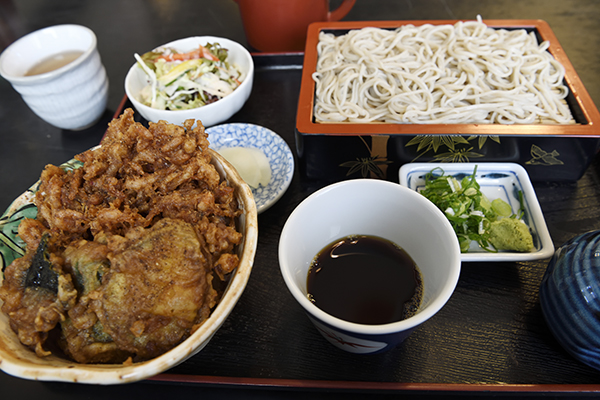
(506,181)
(281,159)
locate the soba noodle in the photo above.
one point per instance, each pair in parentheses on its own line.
(466,73)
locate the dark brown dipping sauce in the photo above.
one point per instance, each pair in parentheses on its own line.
(365,279)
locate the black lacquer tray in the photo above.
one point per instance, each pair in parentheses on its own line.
(491,336)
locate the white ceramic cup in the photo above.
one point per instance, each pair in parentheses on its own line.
(71,97)
(377,208)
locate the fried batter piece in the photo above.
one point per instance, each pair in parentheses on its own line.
(136,177)
(135,236)
(36,294)
(83,337)
(157,290)
(140,295)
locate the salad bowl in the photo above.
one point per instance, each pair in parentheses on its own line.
(210,114)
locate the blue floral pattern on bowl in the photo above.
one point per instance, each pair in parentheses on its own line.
(570,297)
(275,148)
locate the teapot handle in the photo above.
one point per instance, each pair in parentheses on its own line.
(341,11)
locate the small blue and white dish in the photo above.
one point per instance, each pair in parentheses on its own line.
(570,297)
(281,159)
(496,180)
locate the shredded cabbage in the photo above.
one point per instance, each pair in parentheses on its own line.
(180,81)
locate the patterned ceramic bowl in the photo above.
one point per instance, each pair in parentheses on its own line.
(17,360)
(570,297)
(281,159)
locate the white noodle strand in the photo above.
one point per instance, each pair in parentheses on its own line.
(465,73)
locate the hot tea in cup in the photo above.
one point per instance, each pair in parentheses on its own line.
(58,72)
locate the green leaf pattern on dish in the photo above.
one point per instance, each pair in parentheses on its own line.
(11,245)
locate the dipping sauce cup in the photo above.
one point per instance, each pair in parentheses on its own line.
(377,208)
(69,96)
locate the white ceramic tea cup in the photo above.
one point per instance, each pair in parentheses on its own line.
(72,96)
(377,208)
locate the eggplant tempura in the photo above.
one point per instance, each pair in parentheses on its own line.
(121,257)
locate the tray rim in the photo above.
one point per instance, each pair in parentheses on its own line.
(284,383)
(304,117)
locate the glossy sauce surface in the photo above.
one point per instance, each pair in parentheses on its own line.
(365,279)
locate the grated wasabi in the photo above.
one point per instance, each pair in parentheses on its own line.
(491,224)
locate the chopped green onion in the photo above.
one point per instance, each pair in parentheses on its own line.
(469,211)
